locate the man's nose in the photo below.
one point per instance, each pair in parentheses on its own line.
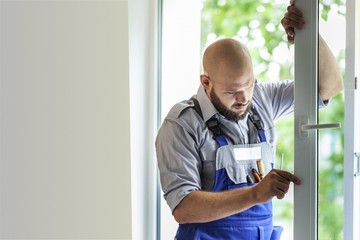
(241,97)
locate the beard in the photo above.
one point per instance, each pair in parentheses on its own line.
(225,111)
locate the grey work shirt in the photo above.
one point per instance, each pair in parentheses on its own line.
(186,150)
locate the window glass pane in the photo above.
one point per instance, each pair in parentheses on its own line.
(331,141)
(179,71)
(257,24)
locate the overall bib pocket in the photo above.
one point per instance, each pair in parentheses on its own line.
(243,163)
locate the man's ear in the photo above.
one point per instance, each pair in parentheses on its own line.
(205,81)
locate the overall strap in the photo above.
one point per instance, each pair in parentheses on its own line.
(255,119)
(213,125)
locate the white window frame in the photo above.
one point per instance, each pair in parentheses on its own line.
(351,130)
(306,147)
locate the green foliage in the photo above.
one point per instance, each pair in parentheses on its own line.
(245,19)
(331,173)
(257,24)
(326,6)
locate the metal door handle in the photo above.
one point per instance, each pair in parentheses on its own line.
(304,127)
(307,127)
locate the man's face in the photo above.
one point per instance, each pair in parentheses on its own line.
(232,101)
(229,79)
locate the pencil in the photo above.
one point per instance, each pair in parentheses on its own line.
(260,166)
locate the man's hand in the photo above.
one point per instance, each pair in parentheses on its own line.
(275,184)
(293,19)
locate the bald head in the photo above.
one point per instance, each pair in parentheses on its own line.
(225,57)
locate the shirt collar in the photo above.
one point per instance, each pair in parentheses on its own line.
(207,108)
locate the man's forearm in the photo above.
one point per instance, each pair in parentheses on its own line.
(202,206)
(330,79)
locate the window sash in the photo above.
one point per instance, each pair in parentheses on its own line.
(306,146)
(351,130)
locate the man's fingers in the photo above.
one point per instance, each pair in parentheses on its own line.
(280,196)
(290,32)
(289,176)
(281,190)
(276,184)
(283,186)
(291,20)
(293,10)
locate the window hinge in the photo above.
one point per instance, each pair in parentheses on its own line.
(356,81)
(357,156)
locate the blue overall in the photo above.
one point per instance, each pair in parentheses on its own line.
(255,223)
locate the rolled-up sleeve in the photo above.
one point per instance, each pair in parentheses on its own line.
(178,161)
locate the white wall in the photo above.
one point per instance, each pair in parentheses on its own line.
(64,120)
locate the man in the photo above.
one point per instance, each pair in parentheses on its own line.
(216,151)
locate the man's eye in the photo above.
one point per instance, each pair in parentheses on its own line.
(229,93)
